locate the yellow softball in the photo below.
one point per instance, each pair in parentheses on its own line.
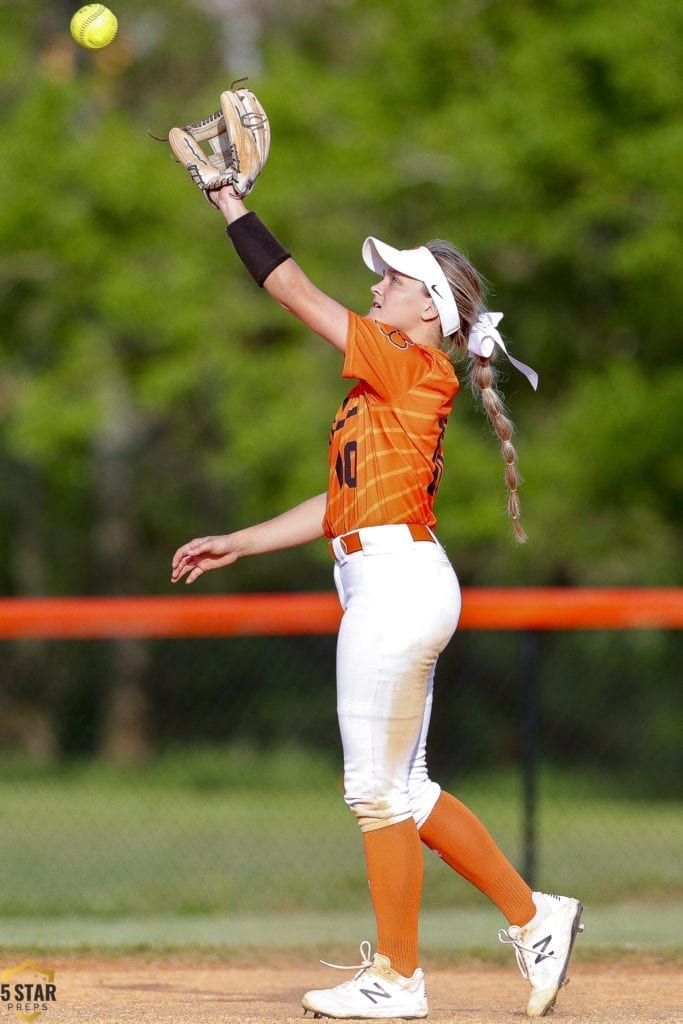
(93,26)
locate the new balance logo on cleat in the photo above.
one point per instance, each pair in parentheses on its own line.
(376,990)
(543,945)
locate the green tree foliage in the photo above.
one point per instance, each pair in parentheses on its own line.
(545,139)
(149,391)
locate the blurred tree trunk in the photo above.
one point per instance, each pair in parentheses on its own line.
(124,736)
(26,723)
(240,23)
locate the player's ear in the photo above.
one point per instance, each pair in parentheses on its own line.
(429,311)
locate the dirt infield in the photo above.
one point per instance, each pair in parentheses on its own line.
(137,989)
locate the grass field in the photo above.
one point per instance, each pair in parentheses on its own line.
(448,936)
(232,849)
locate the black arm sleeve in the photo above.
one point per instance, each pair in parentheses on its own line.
(258,249)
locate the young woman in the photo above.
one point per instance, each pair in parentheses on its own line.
(399,593)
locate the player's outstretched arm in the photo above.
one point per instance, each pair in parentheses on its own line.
(296,526)
(291,287)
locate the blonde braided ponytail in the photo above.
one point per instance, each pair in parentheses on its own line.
(467,286)
(482,376)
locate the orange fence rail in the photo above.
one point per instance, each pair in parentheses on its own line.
(315,613)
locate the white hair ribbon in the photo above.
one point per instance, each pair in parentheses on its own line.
(483,338)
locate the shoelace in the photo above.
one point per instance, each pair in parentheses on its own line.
(365,950)
(505,937)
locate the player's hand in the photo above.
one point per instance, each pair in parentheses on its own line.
(228,202)
(201,554)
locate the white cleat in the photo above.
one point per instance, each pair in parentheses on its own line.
(543,948)
(376,991)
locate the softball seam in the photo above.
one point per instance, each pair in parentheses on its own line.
(100,9)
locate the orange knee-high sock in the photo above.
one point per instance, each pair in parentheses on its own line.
(395,866)
(457,835)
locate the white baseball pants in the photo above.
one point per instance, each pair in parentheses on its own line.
(401,601)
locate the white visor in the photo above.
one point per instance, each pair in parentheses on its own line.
(423,266)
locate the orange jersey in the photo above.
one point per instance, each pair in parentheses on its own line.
(386,443)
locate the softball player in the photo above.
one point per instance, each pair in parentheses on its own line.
(400,597)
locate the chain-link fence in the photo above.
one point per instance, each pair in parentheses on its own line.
(148,776)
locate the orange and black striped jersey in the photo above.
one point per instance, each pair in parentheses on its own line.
(386,442)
